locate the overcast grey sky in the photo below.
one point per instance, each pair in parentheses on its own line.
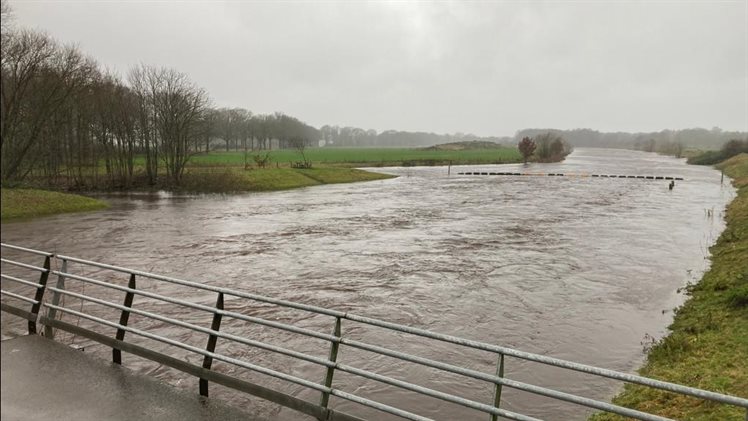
(488,68)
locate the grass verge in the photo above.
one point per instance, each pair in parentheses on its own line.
(226,180)
(28,203)
(708,344)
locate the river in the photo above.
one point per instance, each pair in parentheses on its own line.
(570,267)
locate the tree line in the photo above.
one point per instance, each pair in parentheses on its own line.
(671,142)
(337,136)
(67,121)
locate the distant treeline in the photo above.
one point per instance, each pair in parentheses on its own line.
(671,142)
(356,137)
(666,141)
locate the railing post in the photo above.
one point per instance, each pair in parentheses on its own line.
(49,331)
(212,339)
(333,358)
(123,318)
(497,387)
(39,294)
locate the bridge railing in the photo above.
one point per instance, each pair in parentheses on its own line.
(325,387)
(36,286)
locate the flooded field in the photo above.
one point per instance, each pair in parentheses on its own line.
(574,268)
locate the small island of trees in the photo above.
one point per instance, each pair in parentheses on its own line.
(546,147)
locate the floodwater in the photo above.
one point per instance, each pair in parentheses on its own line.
(582,269)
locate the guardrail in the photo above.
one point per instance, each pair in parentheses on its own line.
(55,308)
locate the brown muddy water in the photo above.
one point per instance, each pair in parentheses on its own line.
(575,268)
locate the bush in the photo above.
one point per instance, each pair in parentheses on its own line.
(551,148)
(707,158)
(729,149)
(301,164)
(738,297)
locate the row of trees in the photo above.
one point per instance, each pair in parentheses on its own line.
(357,137)
(65,120)
(63,116)
(671,142)
(239,129)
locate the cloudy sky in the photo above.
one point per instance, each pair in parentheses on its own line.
(488,68)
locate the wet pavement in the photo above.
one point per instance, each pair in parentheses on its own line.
(45,380)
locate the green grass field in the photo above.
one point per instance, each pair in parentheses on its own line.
(366,157)
(708,344)
(28,203)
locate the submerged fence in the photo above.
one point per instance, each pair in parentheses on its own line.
(573,175)
(43,302)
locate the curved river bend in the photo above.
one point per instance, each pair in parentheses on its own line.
(575,268)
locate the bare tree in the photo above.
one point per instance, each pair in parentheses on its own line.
(526,148)
(300,144)
(144,83)
(551,147)
(209,127)
(116,128)
(180,105)
(230,122)
(38,77)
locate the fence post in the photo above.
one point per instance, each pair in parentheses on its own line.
(49,331)
(497,387)
(123,318)
(212,339)
(333,358)
(39,294)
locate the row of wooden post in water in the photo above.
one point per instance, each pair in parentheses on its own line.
(645,177)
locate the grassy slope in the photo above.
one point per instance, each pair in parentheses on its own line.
(27,203)
(708,346)
(268,179)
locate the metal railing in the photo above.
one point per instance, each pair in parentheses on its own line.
(54,309)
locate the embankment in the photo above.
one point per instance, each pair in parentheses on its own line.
(22,203)
(708,344)
(28,203)
(227,180)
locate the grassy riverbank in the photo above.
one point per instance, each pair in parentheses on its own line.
(28,203)
(22,203)
(226,180)
(708,345)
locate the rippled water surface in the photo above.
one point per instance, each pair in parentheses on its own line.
(571,267)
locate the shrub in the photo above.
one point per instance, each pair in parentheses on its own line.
(729,149)
(738,297)
(551,147)
(526,148)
